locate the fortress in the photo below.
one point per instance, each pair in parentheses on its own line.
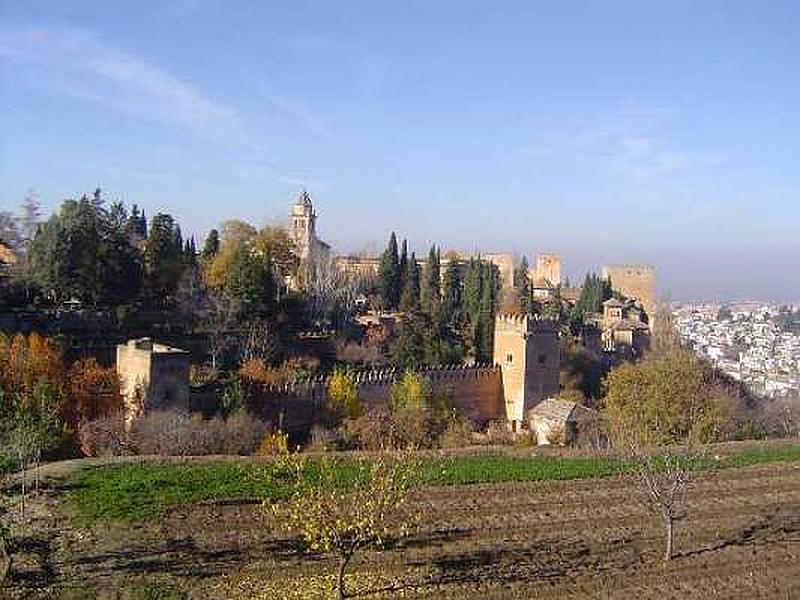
(524,373)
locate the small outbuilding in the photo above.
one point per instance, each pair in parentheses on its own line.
(558,421)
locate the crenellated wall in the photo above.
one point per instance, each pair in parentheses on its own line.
(476,391)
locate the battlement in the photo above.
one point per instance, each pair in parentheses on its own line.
(632,268)
(525,324)
(388,376)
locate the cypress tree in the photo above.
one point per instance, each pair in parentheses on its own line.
(211,246)
(522,286)
(452,296)
(430,294)
(389,274)
(409,301)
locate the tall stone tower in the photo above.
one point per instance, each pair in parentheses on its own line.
(634,281)
(526,349)
(548,266)
(303,226)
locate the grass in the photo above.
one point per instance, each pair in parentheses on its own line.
(132,492)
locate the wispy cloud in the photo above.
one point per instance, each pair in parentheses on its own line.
(82,64)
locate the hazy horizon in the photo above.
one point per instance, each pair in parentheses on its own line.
(604,132)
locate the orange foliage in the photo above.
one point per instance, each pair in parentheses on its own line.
(257,371)
(26,362)
(94,391)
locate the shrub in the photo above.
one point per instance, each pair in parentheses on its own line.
(556,436)
(526,439)
(343,395)
(322,439)
(458,434)
(179,433)
(497,432)
(104,436)
(382,429)
(410,392)
(275,443)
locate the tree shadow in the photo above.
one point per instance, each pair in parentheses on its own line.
(768,528)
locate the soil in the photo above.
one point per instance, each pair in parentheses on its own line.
(740,538)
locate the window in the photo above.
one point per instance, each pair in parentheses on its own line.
(542,359)
(509,358)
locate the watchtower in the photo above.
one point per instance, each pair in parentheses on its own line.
(527,351)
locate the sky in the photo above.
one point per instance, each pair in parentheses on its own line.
(607,131)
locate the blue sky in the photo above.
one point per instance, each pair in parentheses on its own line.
(664,131)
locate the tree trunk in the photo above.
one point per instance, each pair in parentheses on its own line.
(669,523)
(340,582)
(24,487)
(5,561)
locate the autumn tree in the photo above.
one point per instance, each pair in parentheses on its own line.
(659,411)
(343,398)
(366,510)
(94,391)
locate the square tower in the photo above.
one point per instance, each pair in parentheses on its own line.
(527,351)
(152,376)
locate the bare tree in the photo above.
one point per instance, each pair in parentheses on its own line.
(332,292)
(658,411)
(666,476)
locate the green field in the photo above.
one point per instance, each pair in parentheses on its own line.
(133,492)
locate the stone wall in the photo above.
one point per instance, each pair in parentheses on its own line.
(475,391)
(634,281)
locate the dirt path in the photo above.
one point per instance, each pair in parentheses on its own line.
(568,539)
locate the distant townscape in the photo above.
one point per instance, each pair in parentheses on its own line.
(757,344)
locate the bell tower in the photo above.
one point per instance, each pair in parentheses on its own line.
(303,225)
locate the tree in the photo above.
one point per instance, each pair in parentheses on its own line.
(343,519)
(343,398)
(389,274)
(250,282)
(522,287)
(658,411)
(164,258)
(410,393)
(409,300)
(452,295)
(83,252)
(210,247)
(94,391)
(430,291)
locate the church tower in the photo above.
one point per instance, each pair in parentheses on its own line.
(303,225)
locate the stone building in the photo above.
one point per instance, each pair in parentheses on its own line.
(152,376)
(526,349)
(634,281)
(558,421)
(625,330)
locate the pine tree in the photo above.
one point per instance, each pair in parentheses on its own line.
(389,274)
